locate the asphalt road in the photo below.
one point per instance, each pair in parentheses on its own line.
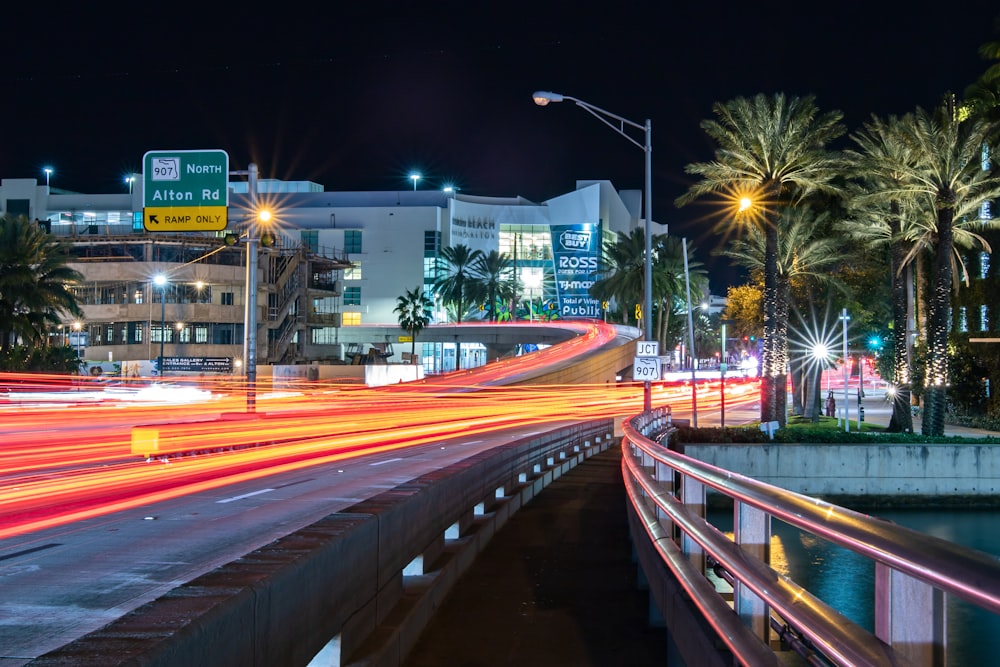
(62,583)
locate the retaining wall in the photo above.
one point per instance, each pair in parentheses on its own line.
(862,470)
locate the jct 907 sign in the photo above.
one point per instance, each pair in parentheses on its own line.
(646,369)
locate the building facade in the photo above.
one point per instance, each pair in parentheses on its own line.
(329,262)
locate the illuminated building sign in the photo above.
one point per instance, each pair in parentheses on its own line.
(576,252)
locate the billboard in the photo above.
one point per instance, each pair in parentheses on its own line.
(576,253)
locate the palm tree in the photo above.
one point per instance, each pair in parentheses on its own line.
(624,267)
(882,208)
(35,282)
(494,273)
(670,282)
(773,148)
(803,259)
(414,310)
(948,172)
(456,283)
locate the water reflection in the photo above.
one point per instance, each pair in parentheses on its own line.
(845,580)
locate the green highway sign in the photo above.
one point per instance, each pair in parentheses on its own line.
(185,190)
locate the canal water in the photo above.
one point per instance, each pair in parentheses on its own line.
(845,580)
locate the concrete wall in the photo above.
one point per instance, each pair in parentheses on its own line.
(346,586)
(864,470)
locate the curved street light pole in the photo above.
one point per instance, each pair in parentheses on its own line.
(543,98)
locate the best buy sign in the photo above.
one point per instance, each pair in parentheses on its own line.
(185,190)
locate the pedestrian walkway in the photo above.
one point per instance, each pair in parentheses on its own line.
(878,411)
(556,586)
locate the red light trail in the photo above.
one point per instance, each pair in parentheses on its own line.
(66,464)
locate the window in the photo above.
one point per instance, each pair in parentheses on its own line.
(963,321)
(226,298)
(201,333)
(354,272)
(984,318)
(310,239)
(984,265)
(432,241)
(351,319)
(352,296)
(352,241)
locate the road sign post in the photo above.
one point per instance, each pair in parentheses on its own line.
(646,366)
(185,191)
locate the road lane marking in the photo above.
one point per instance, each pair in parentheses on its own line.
(378,463)
(245,495)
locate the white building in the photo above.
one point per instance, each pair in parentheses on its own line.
(340,261)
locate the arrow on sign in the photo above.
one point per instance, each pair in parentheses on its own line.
(153,220)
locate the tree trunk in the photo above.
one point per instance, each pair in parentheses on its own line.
(901,420)
(800,388)
(769,372)
(935,401)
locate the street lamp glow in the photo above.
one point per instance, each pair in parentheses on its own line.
(745,203)
(129,180)
(415,177)
(264,215)
(543,98)
(48,175)
(78,327)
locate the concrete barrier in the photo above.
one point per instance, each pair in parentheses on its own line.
(862,470)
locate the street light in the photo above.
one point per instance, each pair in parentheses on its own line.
(78,328)
(414,177)
(543,98)
(257,215)
(160,281)
(129,180)
(48,175)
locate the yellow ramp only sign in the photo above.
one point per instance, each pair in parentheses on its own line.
(185,219)
(185,191)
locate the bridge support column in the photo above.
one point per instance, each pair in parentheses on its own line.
(752,531)
(693,497)
(910,616)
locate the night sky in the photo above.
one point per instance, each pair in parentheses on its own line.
(356,98)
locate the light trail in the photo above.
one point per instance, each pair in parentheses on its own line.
(58,466)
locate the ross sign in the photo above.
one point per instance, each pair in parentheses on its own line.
(185,191)
(647,348)
(646,369)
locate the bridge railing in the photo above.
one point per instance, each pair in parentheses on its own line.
(913,571)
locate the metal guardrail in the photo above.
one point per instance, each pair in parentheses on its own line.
(913,571)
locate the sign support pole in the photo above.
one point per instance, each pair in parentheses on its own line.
(250,312)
